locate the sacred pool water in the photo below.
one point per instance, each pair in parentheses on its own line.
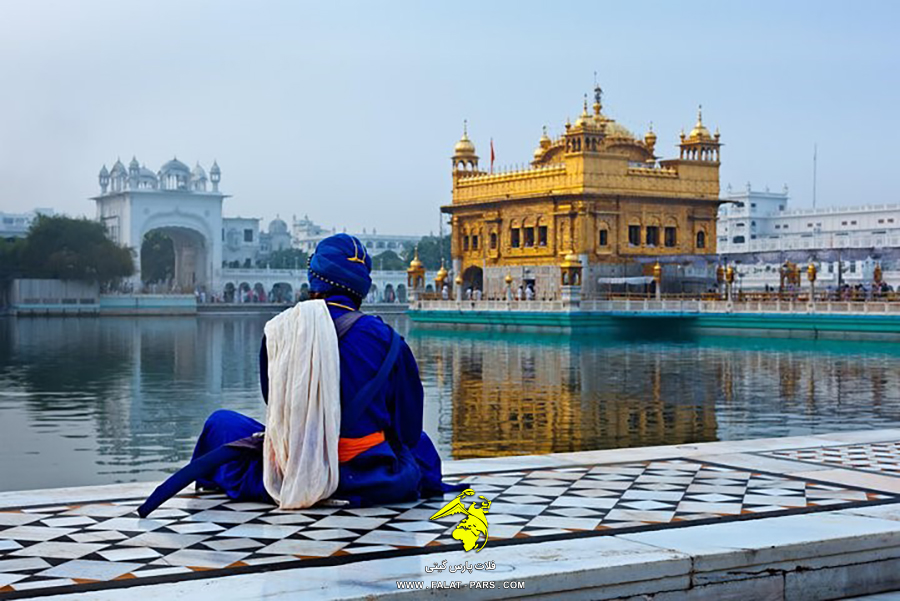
(102,400)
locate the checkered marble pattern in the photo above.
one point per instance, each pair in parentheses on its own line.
(879,457)
(63,548)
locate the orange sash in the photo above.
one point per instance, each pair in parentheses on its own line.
(348,448)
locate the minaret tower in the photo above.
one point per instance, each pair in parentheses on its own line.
(215,176)
(699,145)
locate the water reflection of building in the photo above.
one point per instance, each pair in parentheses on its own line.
(514,397)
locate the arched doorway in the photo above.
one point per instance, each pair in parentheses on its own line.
(157,261)
(388,296)
(228,295)
(282,292)
(177,260)
(401,293)
(259,293)
(244,292)
(473,278)
(304,292)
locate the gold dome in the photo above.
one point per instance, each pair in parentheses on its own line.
(699,132)
(415,264)
(464,147)
(545,141)
(615,130)
(508,279)
(442,272)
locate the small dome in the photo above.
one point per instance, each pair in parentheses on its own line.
(104,171)
(538,153)
(198,172)
(118,168)
(215,168)
(278,226)
(415,264)
(615,130)
(545,141)
(134,164)
(175,165)
(464,146)
(699,132)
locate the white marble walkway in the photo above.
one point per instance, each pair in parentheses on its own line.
(790,518)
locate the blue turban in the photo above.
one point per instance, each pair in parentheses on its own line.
(340,264)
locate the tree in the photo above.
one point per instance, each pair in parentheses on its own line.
(431,250)
(288,258)
(10,257)
(389,261)
(73,249)
(157,257)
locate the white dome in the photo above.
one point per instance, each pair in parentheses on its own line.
(278,226)
(175,165)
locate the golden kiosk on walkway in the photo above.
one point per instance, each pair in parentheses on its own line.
(595,191)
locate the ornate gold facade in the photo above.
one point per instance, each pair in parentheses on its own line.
(596,191)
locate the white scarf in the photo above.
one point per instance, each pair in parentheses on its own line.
(303,418)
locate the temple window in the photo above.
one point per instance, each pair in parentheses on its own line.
(529,237)
(652,235)
(670,237)
(542,235)
(248,235)
(514,237)
(475,242)
(634,235)
(493,240)
(465,243)
(701,239)
(604,237)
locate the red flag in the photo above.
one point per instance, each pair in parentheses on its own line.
(492,155)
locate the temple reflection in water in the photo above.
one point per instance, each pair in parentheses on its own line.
(515,395)
(87,401)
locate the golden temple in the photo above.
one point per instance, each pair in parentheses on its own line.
(596,192)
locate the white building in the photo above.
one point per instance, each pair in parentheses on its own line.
(759,231)
(16,225)
(246,245)
(183,203)
(307,235)
(240,237)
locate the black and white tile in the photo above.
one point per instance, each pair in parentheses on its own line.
(97,545)
(878,457)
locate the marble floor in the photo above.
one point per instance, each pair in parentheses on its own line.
(880,457)
(83,540)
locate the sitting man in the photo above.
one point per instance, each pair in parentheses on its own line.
(384,456)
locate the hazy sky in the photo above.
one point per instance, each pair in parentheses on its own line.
(349,111)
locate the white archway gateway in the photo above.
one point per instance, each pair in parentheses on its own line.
(176,202)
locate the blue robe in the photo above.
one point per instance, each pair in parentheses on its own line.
(404,467)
